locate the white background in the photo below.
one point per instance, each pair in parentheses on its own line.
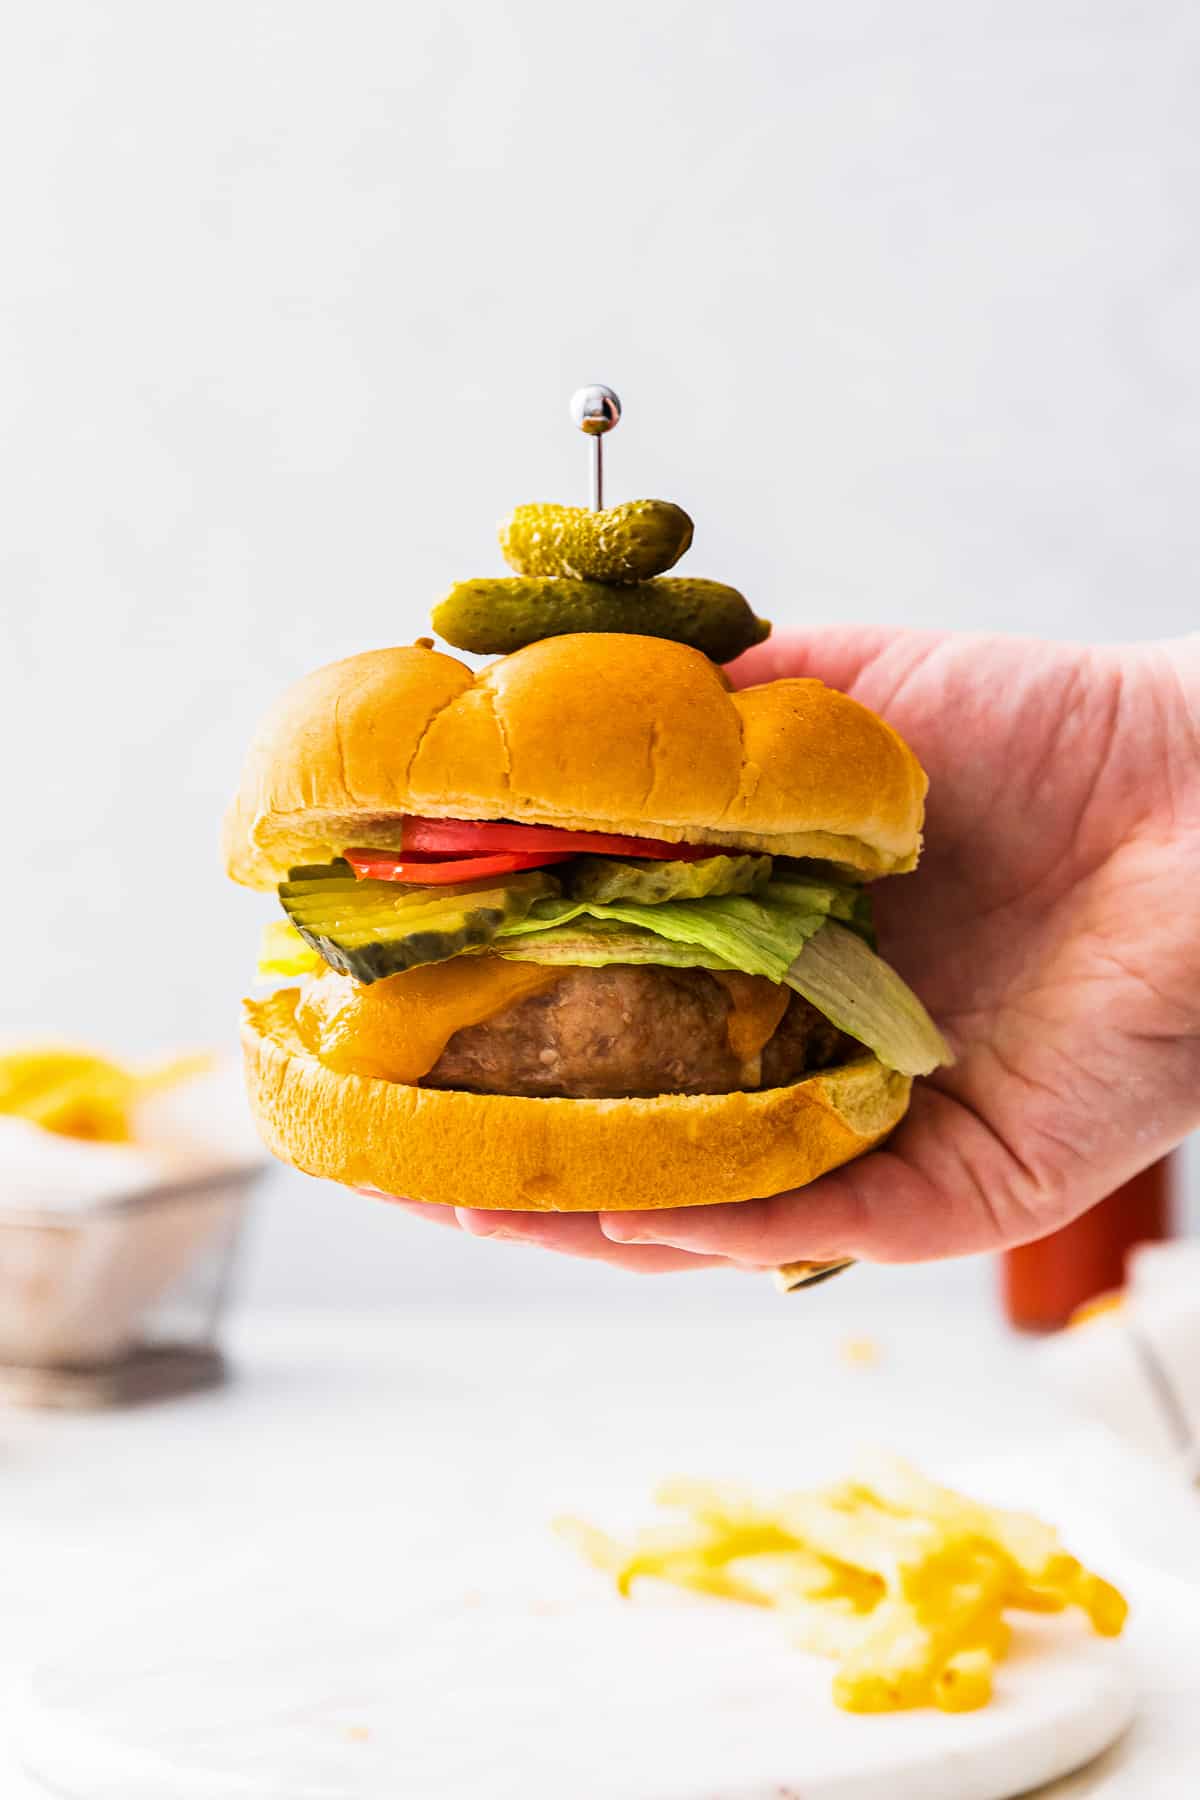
(901,298)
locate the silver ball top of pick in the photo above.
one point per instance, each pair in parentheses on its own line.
(595,409)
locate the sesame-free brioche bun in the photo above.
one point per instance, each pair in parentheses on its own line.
(591,732)
(541,1155)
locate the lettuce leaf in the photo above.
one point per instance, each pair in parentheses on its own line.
(850,904)
(798,940)
(863,996)
(759,934)
(593,943)
(283,952)
(760,937)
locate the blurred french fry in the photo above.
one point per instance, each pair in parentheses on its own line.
(595,1546)
(1105,1605)
(753,1530)
(82,1107)
(892,1665)
(898,1662)
(25,1072)
(79,1094)
(703,1577)
(173,1071)
(655,1550)
(725,1505)
(667,1554)
(993,1635)
(895,1485)
(1027,1598)
(867,1537)
(789,1579)
(964,1682)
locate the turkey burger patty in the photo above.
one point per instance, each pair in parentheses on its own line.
(611,1033)
(483,1025)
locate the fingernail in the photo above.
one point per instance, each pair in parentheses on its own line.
(476,1225)
(621,1231)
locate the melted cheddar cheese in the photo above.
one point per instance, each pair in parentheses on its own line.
(757,1006)
(396,1029)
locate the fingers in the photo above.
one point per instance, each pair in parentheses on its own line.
(945,1186)
(752,1234)
(579,1234)
(572,1234)
(422,1209)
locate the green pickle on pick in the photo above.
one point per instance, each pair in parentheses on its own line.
(622,543)
(493,616)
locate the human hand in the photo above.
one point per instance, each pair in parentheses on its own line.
(1052,930)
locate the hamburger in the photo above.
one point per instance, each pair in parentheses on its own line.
(582,929)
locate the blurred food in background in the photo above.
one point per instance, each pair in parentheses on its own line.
(862,1352)
(1131,1362)
(902,1582)
(121,1192)
(82,1095)
(1046,1283)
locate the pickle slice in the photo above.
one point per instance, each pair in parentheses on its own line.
(494,616)
(372,929)
(609,878)
(622,543)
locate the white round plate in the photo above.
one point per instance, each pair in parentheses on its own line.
(265,1691)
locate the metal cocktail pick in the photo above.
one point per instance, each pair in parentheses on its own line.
(596,410)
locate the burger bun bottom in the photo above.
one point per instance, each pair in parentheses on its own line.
(540,1155)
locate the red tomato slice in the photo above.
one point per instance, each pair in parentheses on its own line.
(389,865)
(462,837)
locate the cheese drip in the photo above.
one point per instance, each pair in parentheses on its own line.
(757,1006)
(396,1029)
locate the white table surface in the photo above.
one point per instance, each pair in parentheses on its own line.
(449,1420)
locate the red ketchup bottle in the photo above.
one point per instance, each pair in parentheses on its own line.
(1043,1283)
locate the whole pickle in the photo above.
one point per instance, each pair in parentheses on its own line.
(613,878)
(622,543)
(496,615)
